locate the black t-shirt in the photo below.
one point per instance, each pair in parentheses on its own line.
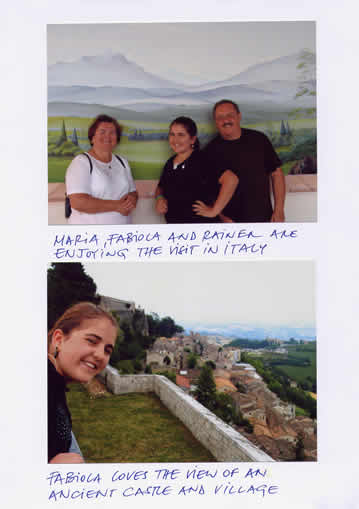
(59,419)
(183,185)
(252,158)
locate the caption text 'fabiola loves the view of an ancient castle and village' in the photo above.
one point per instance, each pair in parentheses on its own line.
(186,386)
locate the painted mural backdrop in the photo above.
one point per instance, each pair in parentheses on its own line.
(147,74)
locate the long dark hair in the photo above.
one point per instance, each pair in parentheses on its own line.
(190,127)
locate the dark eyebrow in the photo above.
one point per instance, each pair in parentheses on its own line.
(94,336)
(99,338)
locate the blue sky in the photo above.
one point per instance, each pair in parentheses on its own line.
(185,49)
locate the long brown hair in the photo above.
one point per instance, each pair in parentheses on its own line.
(76,314)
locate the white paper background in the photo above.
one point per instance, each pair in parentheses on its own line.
(330,483)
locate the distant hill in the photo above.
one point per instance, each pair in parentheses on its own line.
(265,91)
(104,70)
(246,332)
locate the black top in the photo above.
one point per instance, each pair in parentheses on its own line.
(59,419)
(252,158)
(188,182)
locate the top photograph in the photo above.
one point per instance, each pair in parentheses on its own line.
(155,123)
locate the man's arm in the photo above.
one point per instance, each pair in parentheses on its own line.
(228,182)
(278,185)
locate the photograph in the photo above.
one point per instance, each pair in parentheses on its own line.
(206,133)
(186,363)
(217,365)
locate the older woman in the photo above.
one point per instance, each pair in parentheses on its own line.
(187,192)
(99,184)
(79,347)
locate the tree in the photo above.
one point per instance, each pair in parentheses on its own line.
(206,388)
(211,364)
(162,327)
(299,447)
(67,284)
(74,138)
(168,374)
(168,327)
(63,136)
(289,131)
(306,74)
(226,409)
(191,361)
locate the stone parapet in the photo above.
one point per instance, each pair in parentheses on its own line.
(225,443)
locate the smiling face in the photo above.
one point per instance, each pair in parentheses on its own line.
(86,350)
(180,140)
(228,120)
(105,137)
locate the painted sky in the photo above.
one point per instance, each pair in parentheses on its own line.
(264,293)
(183,50)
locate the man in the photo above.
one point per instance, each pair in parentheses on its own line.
(249,155)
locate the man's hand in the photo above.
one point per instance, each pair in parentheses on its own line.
(201,209)
(278,216)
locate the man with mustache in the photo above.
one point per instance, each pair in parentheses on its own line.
(250,155)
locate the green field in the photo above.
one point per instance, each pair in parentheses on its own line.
(130,428)
(146,158)
(297,373)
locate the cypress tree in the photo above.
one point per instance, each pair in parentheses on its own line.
(74,139)
(206,388)
(63,136)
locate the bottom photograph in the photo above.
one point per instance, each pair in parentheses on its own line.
(182,362)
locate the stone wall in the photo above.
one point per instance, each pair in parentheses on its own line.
(225,443)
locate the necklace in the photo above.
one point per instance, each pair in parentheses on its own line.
(101,158)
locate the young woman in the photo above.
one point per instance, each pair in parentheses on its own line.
(79,347)
(99,184)
(187,191)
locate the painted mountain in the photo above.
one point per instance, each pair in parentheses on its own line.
(264,91)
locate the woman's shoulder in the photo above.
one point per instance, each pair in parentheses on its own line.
(169,163)
(121,160)
(198,158)
(55,380)
(82,160)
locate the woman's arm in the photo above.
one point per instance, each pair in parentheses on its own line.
(228,182)
(161,202)
(86,203)
(67,457)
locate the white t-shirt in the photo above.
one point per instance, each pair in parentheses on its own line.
(108,181)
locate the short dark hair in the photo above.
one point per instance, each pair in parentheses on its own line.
(109,120)
(225,101)
(190,126)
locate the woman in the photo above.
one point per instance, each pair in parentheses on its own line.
(187,191)
(79,347)
(99,184)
